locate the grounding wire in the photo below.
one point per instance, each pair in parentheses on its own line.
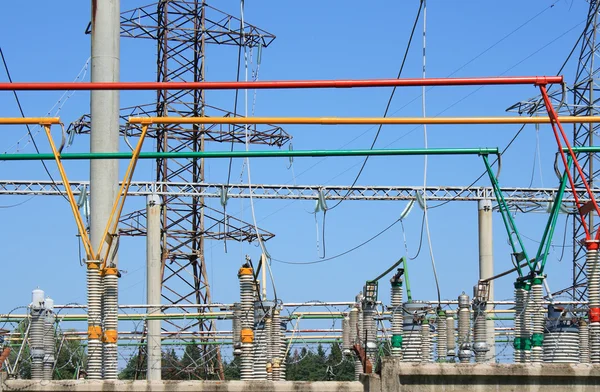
(387,108)
(28,128)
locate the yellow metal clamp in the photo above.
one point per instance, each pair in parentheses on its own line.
(247,336)
(94,332)
(110,336)
(245,271)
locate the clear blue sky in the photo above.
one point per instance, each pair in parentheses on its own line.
(315,40)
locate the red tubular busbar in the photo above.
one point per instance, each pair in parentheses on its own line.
(281,84)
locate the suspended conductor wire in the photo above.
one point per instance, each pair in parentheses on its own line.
(426,158)
(247,145)
(37,150)
(387,107)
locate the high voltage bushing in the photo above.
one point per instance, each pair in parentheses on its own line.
(269,348)
(262,311)
(526,323)
(360,333)
(480,345)
(370,330)
(450,335)
(537,318)
(413,315)
(584,342)
(593,275)
(36,335)
(284,347)
(522,341)
(561,338)
(276,344)
(346,347)
(464,328)
(111,323)
(246,278)
(442,336)
(94,299)
(353,339)
(396,309)
(49,338)
(236,329)
(425,341)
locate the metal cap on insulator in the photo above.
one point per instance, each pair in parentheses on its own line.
(37,298)
(592,244)
(49,304)
(464,301)
(245,271)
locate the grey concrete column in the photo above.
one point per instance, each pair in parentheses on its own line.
(486,264)
(104,137)
(153,278)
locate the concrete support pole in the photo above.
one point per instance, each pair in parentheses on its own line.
(486,265)
(153,284)
(104,137)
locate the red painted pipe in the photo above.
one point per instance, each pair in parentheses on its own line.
(280,84)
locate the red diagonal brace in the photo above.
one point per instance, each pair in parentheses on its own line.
(559,133)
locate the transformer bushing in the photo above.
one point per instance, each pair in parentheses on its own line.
(561,338)
(370,330)
(425,342)
(284,347)
(522,341)
(464,328)
(396,309)
(584,342)
(593,275)
(276,344)
(360,334)
(262,312)
(236,329)
(111,324)
(353,337)
(442,338)
(413,314)
(246,278)
(450,335)
(49,339)
(94,300)
(537,318)
(36,335)
(346,346)
(480,345)
(269,348)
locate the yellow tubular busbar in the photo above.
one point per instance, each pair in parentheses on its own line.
(29,120)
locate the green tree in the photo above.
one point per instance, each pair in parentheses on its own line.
(232,369)
(191,362)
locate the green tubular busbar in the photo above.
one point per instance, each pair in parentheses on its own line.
(255,154)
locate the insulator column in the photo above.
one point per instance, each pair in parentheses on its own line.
(94,299)
(236,329)
(396,309)
(442,338)
(522,341)
(276,342)
(49,339)
(346,346)
(537,310)
(111,324)
(246,278)
(464,329)
(584,342)
(450,335)
(284,348)
(526,316)
(360,335)
(425,341)
(480,345)
(593,275)
(269,348)
(370,327)
(36,335)
(413,316)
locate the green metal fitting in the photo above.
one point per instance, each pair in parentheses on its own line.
(397,283)
(397,341)
(517,344)
(537,280)
(537,339)
(526,344)
(441,313)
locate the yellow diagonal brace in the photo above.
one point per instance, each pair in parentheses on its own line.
(113,221)
(78,220)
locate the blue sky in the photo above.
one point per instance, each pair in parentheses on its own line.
(315,40)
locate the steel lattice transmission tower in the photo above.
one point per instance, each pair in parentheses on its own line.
(586,99)
(182,29)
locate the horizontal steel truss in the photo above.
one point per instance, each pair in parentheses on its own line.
(533,196)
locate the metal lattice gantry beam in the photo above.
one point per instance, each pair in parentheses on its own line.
(516,195)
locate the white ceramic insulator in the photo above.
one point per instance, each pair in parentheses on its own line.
(584,342)
(94,299)
(442,338)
